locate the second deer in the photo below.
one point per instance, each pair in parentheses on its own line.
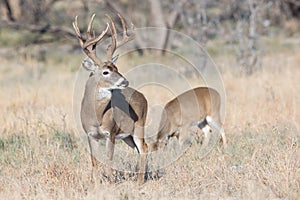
(198,107)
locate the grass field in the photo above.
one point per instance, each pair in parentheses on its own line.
(42,156)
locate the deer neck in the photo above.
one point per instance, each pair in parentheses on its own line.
(102,99)
(94,102)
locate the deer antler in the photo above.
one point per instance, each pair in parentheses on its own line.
(114,43)
(90,40)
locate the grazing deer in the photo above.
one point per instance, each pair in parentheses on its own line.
(110,110)
(197,107)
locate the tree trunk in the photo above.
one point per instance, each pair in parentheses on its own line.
(8,10)
(158,21)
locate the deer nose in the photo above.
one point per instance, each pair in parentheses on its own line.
(125,83)
(122,82)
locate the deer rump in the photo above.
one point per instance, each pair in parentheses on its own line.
(191,106)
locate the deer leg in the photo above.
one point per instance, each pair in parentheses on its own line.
(206,129)
(215,124)
(185,136)
(207,134)
(93,137)
(223,138)
(157,143)
(163,137)
(99,133)
(142,149)
(91,140)
(110,143)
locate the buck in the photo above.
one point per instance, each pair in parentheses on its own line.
(110,110)
(198,107)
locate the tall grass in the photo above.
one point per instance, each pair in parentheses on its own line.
(43,157)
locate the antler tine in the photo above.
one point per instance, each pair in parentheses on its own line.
(77,31)
(90,26)
(113,32)
(123,24)
(114,43)
(90,40)
(126,38)
(93,41)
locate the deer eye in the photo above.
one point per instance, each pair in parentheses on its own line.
(105,73)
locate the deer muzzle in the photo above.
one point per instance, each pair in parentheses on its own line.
(122,83)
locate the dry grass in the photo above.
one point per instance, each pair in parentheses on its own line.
(42,157)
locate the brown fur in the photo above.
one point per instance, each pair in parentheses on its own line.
(188,108)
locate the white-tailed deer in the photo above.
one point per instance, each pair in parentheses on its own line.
(110,110)
(197,107)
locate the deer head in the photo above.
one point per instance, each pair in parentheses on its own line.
(105,72)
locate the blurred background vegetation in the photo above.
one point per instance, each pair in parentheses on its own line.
(41,30)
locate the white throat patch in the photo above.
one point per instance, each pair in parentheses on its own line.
(104,93)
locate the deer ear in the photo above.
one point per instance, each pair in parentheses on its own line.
(114,60)
(89,65)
